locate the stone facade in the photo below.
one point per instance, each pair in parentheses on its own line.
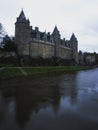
(86,58)
(32,42)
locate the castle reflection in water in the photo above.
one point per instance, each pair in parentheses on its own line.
(25,97)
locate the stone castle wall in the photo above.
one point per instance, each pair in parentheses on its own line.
(66,53)
(39,48)
(47,50)
(44,49)
(32,42)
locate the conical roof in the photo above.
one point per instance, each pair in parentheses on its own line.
(55,31)
(21,17)
(73,38)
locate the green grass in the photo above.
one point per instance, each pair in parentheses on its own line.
(9,72)
(32,70)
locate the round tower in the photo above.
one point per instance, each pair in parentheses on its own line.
(22,34)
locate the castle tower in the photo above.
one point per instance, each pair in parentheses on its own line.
(57,41)
(74,46)
(22,34)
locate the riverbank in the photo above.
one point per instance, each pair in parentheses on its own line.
(11,72)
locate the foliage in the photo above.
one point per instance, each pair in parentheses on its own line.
(2,31)
(9,44)
(9,61)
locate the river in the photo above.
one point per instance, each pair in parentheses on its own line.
(50,102)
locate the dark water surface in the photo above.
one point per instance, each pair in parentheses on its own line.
(53,102)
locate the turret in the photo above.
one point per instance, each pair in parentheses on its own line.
(22,34)
(74,42)
(74,45)
(56,31)
(57,41)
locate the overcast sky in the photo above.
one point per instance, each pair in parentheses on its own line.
(78,16)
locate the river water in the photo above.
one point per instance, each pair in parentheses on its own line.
(50,102)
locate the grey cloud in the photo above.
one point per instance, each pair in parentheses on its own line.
(78,16)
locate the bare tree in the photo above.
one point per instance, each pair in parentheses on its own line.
(2,31)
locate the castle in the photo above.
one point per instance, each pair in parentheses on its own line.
(34,43)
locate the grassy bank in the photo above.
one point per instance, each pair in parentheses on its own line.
(9,72)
